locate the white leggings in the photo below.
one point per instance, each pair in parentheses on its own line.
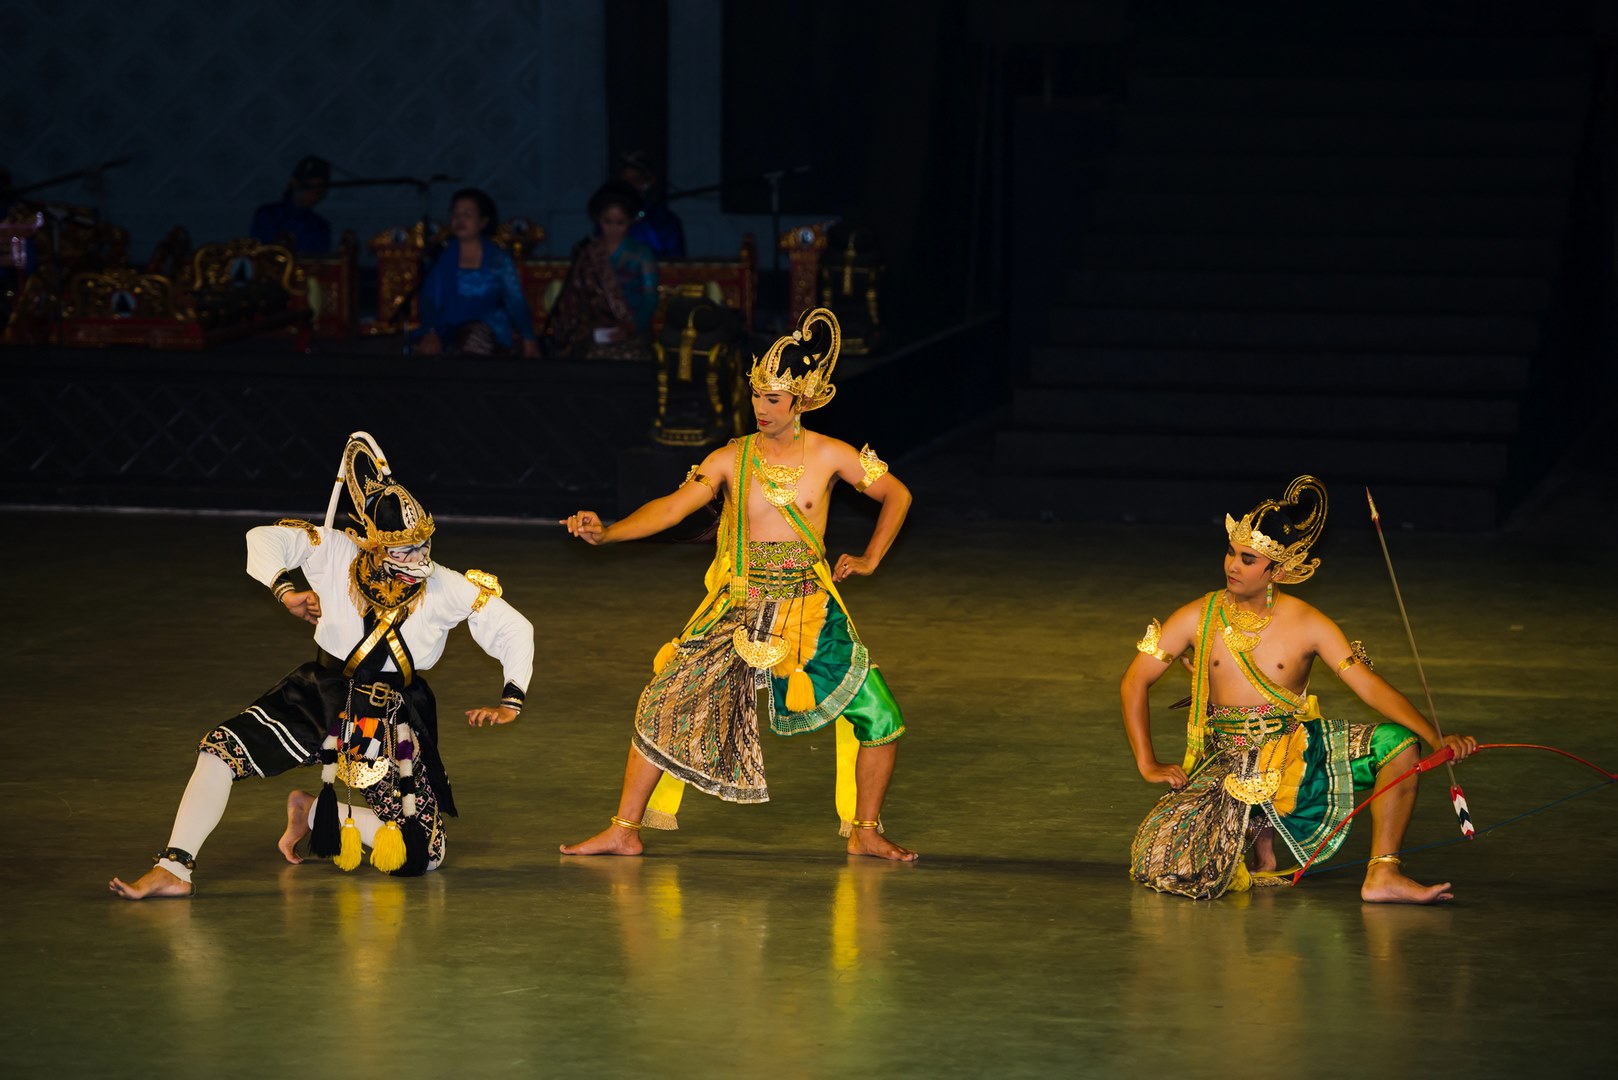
(203,804)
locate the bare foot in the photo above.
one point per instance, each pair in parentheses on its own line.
(298,803)
(872,843)
(613,840)
(1384,884)
(156,883)
(1264,850)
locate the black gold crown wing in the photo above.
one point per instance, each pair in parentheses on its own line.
(772,373)
(1290,548)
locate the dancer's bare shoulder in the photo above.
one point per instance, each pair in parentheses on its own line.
(1305,625)
(1180,628)
(717,465)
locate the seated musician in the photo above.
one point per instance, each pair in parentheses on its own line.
(293,220)
(658,227)
(472,301)
(605,308)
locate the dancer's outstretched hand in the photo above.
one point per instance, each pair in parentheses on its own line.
(498,714)
(305,605)
(586,525)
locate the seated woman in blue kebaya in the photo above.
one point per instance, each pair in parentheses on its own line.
(472,301)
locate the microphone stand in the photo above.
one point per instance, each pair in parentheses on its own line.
(772,178)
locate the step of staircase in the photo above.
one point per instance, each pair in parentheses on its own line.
(1351,56)
(1281,330)
(1480,374)
(1285,449)
(1524,255)
(1300,135)
(1329,254)
(1302,215)
(1389,96)
(1316,292)
(1160,410)
(1214,173)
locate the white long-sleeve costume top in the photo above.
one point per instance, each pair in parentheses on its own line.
(447,600)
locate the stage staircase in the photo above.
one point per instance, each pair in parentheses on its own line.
(1334,256)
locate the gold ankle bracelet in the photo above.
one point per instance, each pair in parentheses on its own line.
(625,823)
(1394,859)
(866,824)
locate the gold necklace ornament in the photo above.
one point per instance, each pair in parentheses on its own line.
(780,482)
(1242,627)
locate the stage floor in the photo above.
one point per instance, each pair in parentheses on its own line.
(747,943)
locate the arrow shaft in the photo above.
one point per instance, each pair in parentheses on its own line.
(1410,634)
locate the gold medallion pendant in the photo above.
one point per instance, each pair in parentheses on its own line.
(780,496)
(358,773)
(758,654)
(1252,790)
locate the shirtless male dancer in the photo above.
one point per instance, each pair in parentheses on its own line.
(772,642)
(1261,763)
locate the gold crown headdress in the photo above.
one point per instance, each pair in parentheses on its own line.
(365,472)
(813,388)
(1289,550)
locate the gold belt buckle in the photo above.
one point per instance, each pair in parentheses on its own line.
(381,694)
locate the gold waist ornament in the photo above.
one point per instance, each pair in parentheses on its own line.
(360,773)
(765,653)
(1258,788)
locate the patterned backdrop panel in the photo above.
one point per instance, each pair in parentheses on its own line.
(504,439)
(217,102)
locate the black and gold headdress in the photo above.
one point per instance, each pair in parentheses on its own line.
(774,371)
(1285,540)
(370,485)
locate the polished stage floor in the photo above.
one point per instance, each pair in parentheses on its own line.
(747,944)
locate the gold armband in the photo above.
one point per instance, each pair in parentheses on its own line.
(488,585)
(875,468)
(307,527)
(713,492)
(1356,655)
(1149,643)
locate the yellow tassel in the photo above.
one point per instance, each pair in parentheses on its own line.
(800,692)
(348,855)
(665,656)
(388,853)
